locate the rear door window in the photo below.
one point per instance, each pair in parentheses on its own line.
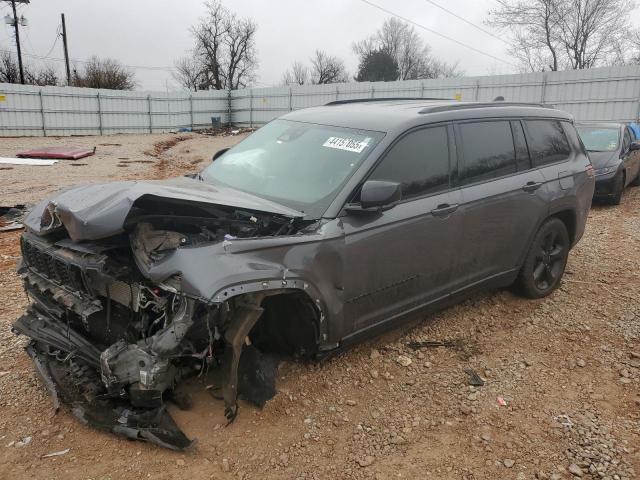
(547,142)
(419,162)
(487,151)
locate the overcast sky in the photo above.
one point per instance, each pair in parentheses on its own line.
(153,33)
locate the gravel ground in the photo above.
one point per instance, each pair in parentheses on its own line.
(561,397)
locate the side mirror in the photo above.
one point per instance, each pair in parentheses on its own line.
(634,146)
(378,195)
(219,153)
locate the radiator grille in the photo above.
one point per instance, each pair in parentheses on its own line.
(56,270)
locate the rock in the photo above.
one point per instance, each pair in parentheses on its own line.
(625,373)
(403,361)
(581,363)
(465,409)
(180,462)
(540,475)
(486,437)
(225,465)
(374,373)
(374,354)
(634,354)
(507,462)
(397,440)
(351,403)
(555,476)
(366,461)
(625,380)
(575,470)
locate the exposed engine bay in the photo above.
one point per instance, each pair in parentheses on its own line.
(114,345)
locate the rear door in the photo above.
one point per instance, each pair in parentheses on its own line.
(401,258)
(502,198)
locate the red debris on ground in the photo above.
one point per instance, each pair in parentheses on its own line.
(64,153)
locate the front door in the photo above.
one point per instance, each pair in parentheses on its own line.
(399,259)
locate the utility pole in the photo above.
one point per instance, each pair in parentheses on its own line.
(15,25)
(66,50)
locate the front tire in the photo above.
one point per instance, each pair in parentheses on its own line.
(544,265)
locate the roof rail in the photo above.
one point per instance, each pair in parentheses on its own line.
(382,99)
(460,106)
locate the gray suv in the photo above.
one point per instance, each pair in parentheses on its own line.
(325,226)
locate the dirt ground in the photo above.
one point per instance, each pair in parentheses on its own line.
(561,397)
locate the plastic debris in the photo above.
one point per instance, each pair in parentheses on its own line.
(474,379)
(28,161)
(57,454)
(501,401)
(65,153)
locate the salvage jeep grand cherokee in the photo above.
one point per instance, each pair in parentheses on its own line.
(324,226)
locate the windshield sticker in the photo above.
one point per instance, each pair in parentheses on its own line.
(348,144)
(612,145)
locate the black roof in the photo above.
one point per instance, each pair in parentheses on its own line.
(386,114)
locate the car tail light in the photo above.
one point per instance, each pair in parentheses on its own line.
(589,170)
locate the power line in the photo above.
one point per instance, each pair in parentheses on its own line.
(84,62)
(389,12)
(467,21)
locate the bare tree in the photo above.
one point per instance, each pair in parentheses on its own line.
(408,48)
(558,34)
(188,73)
(10,73)
(224,55)
(104,73)
(298,74)
(327,69)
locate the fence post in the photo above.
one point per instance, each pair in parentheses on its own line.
(477,92)
(99,114)
(337,92)
(191,109)
(251,108)
(44,125)
(229,109)
(543,94)
(290,99)
(149,111)
(373,91)
(422,89)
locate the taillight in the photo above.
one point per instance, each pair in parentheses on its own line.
(589,170)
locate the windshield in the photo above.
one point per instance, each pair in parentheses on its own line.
(599,139)
(300,165)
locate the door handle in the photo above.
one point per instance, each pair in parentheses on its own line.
(531,186)
(444,209)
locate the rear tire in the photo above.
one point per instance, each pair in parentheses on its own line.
(636,181)
(544,265)
(618,189)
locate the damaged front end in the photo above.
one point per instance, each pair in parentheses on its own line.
(113,340)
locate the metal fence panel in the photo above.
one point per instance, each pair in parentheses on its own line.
(599,94)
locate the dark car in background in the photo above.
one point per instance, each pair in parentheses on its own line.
(322,228)
(615,154)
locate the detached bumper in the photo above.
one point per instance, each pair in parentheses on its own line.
(76,383)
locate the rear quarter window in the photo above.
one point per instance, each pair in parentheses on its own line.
(547,142)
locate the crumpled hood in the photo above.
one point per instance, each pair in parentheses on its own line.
(91,212)
(603,159)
